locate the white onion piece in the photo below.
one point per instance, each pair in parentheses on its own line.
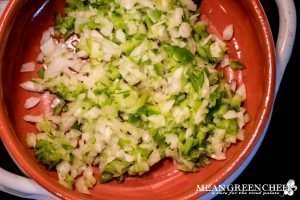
(242,92)
(81,186)
(121,36)
(31,86)
(31,140)
(185,30)
(67,122)
(28,67)
(233,85)
(55,102)
(48,47)
(206,40)
(172,139)
(154,157)
(228,32)
(31,102)
(146,3)
(47,34)
(128,4)
(189,4)
(82,54)
(231,140)
(241,135)
(225,61)
(32,118)
(54,119)
(40,58)
(230,114)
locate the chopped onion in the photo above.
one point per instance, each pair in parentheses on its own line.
(31,102)
(185,30)
(146,3)
(48,47)
(242,92)
(128,4)
(81,186)
(206,40)
(154,157)
(228,32)
(216,50)
(55,102)
(241,135)
(31,140)
(28,67)
(31,86)
(40,58)
(189,4)
(88,173)
(166,107)
(233,85)
(115,90)
(54,119)
(82,54)
(231,114)
(171,139)
(67,122)
(231,140)
(47,34)
(176,18)
(107,28)
(32,118)
(225,61)
(121,36)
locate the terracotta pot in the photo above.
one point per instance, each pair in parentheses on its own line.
(20,31)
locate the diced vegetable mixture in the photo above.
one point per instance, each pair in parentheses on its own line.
(135,81)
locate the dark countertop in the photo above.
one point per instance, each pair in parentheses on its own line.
(275,161)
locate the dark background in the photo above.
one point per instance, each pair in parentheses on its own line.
(277,160)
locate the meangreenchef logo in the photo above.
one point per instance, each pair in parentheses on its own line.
(251,189)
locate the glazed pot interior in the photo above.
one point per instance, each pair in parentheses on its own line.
(250,45)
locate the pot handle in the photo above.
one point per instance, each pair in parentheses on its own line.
(286,37)
(22,187)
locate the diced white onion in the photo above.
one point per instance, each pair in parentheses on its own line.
(185,30)
(67,122)
(176,18)
(216,50)
(242,92)
(31,86)
(40,58)
(121,36)
(241,135)
(31,102)
(82,54)
(225,61)
(171,139)
(47,35)
(32,118)
(128,4)
(55,102)
(230,114)
(31,140)
(28,67)
(233,85)
(189,4)
(228,32)
(166,107)
(48,47)
(81,186)
(146,3)
(154,157)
